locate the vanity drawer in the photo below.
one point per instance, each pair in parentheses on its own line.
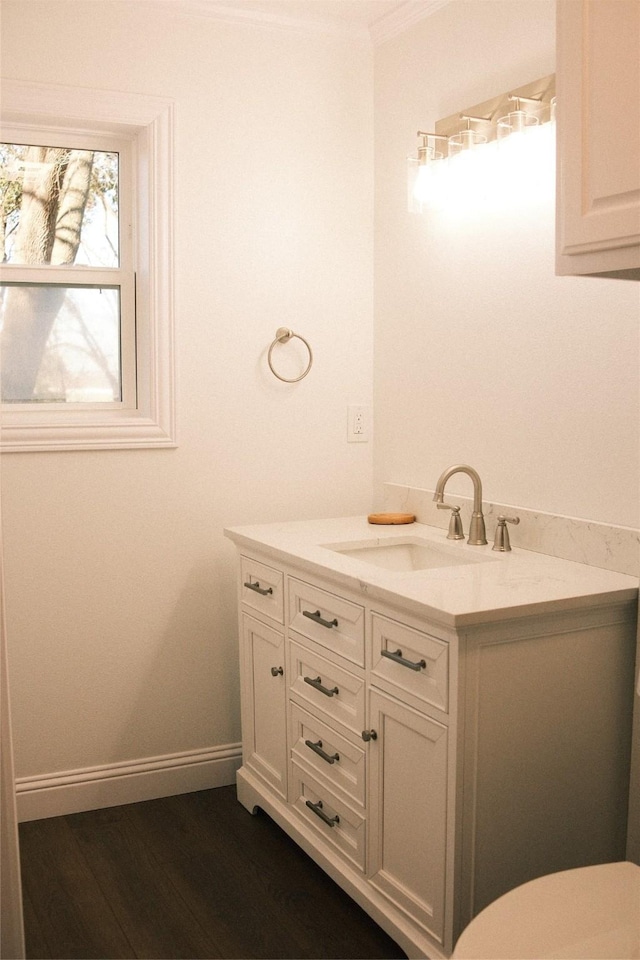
(262,588)
(328,816)
(325,687)
(334,759)
(331,621)
(411,661)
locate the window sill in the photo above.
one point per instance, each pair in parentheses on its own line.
(91,433)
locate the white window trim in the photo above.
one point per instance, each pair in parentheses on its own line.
(148,121)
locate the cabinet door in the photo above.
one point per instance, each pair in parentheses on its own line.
(264,688)
(407,811)
(598,87)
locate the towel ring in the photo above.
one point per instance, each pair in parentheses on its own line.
(283,334)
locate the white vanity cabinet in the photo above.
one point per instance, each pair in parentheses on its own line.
(598,170)
(430,767)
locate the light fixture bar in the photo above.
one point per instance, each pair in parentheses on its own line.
(434,136)
(515,96)
(538,94)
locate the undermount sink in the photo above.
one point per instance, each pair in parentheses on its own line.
(405,554)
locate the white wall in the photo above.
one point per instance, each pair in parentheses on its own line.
(119,583)
(120,586)
(483,356)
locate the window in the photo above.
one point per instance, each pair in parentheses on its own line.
(67,290)
(85,284)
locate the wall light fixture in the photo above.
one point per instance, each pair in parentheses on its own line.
(451,160)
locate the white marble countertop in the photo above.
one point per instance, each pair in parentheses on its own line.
(500,586)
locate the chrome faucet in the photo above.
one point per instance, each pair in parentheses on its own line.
(477,533)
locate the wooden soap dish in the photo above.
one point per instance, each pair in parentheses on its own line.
(391,518)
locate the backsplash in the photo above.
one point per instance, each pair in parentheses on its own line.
(585,541)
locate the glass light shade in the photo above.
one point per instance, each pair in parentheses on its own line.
(465,140)
(424,173)
(516,122)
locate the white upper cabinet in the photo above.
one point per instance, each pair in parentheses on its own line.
(598,177)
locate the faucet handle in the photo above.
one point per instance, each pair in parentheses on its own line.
(501,541)
(455,523)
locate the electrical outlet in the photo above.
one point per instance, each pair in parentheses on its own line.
(357,423)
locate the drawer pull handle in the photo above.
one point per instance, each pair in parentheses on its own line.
(319,812)
(369,735)
(317,618)
(398,658)
(316,683)
(317,748)
(258,589)
(277,671)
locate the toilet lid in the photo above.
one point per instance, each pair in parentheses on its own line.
(587,913)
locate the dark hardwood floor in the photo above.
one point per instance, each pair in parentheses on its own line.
(192,876)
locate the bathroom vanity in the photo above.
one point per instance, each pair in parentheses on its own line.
(433,722)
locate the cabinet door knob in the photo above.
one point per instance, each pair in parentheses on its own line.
(276,671)
(369,735)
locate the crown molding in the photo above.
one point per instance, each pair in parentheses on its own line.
(378,32)
(396,22)
(234,13)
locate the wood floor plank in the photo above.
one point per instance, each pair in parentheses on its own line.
(36,944)
(75,919)
(194,876)
(156,923)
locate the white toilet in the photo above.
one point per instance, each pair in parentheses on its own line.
(587,913)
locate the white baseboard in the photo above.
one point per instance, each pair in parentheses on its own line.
(111,785)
